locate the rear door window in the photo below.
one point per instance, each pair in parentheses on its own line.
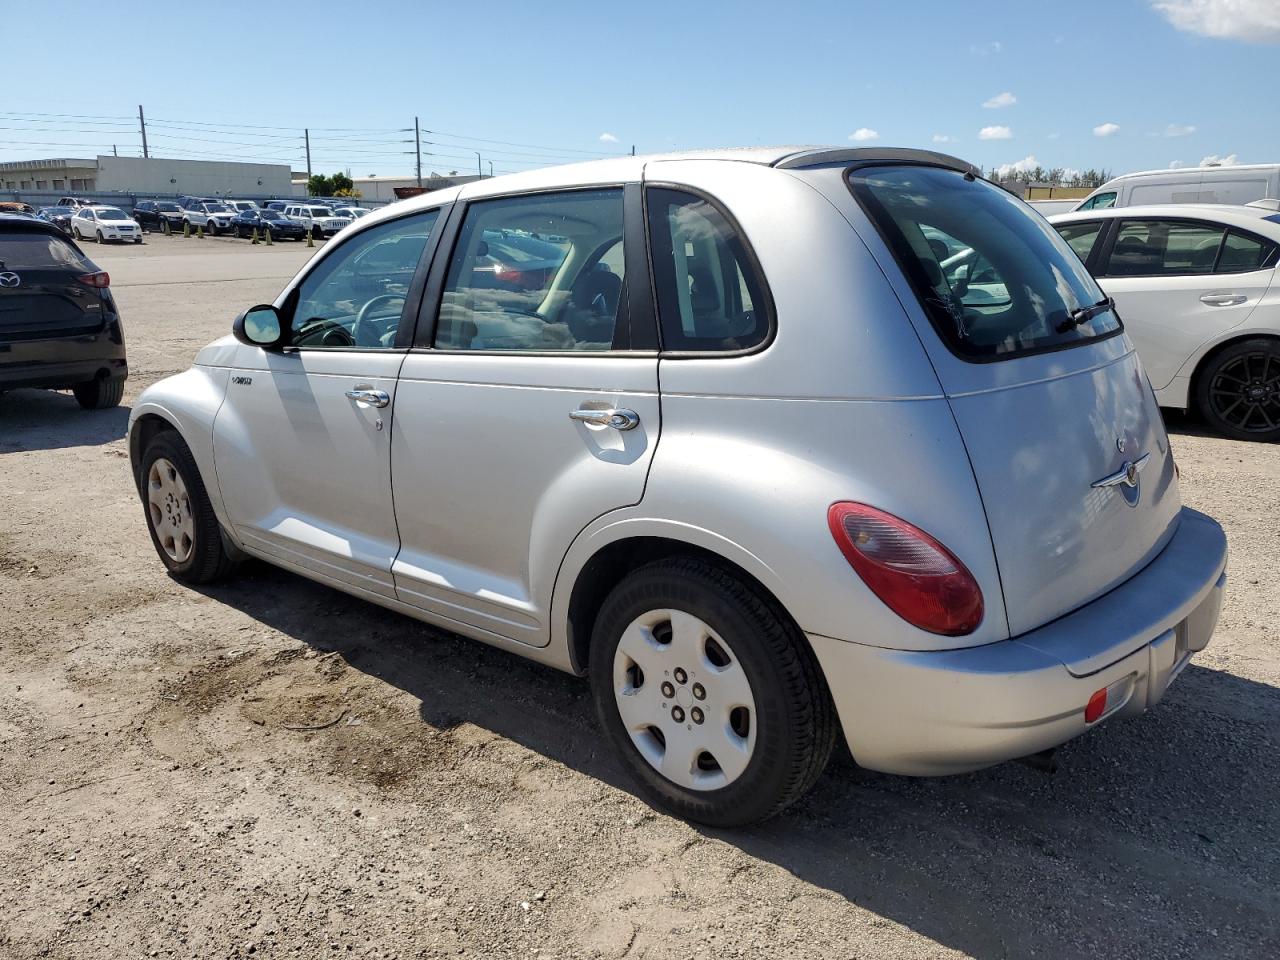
(995,278)
(38,251)
(1081,237)
(1243,252)
(1163,248)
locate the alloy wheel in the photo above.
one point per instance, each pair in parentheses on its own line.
(684,699)
(1245,392)
(169,507)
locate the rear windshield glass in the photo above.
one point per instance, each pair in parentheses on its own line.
(994,277)
(37,251)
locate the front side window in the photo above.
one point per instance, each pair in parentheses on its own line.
(710,296)
(1161,248)
(1080,237)
(538,273)
(1099,202)
(993,276)
(356,295)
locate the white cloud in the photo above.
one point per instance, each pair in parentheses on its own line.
(1006,170)
(1106,129)
(1005,99)
(1178,130)
(1054,136)
(986,49)
(1254,20)
(863,134)
(1175,164)
(995,133)
(608,138)
(1229,160)
(943,138)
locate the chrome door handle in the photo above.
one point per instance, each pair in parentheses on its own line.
(1223,299)
(374,398)
(618,419)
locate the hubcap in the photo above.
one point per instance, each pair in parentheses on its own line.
(169,508)
(1246,392)
(684,699)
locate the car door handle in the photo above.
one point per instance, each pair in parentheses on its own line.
(618,419)
(374,398)
(1223,299)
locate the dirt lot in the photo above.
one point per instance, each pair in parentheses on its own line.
(158,802)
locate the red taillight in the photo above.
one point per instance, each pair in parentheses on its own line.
(1096,706)
(99,280)
(917,577)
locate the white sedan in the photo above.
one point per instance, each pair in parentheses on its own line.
(103,224)
(1195,286)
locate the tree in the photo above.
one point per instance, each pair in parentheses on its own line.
(318,185)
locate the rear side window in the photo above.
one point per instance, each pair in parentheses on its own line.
(1154,248)
(1080,237)
(993,276)
(1242,252)
(710,296)
(38,251)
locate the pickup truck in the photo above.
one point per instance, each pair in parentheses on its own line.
(321,221)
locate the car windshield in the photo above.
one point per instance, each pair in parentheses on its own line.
(112,215)
(994,277)
(216,208)
(270,215)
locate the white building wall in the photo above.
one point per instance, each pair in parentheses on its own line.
(194,177)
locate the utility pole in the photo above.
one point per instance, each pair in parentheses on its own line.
(142,123)
(114,151)
(307,136)
(479,169)
(491,168)
(417,146)
(633,149)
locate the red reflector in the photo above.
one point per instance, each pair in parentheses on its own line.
(1096,706)
(99,280)
(912,573)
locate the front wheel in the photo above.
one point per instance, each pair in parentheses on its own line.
(101,238)
(75,233)
(180,517)
(211,228)
(317,233)
(1238,392)
(710,694)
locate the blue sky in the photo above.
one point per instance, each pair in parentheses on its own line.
(1121,84)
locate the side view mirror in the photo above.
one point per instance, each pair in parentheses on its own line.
(260,326)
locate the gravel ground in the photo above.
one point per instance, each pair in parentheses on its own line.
(457,800)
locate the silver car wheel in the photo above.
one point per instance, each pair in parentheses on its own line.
(169,507)
(684,699)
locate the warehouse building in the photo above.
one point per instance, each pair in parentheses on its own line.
(383,189)
(147,175)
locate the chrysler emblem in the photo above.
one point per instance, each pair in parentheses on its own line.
(1126,479)
(9,279)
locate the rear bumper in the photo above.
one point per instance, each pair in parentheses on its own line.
(57,375)
(930,713)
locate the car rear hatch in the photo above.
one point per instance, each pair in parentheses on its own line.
(1062,429)
(42,294)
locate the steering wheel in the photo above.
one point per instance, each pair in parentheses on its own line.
(364,331)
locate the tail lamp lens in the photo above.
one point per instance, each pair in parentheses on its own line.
(98,280)
(912,573)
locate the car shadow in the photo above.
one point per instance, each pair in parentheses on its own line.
(1158,836)
(51,420)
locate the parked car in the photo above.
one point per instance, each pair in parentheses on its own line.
(59,325)
(60,217)
(851,497)
(213,216)
(156,213)
(279,204)
(18,207)
(1196,288)
(74,203)
(1237,184)
(321,221)
(273,221)
(351,213)
(239,206)
(103,224)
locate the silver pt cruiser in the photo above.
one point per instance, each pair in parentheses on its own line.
(762,441)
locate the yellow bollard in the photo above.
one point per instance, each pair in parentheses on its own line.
(186,228)
(310,240)
(255,236)
(267,238)
(164,226)
(199,232)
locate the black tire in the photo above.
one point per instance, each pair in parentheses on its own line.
(795,720)
(75,233)
(99,394)
(317,233)
(211,228)
(100,238)
(208,559)
(1238,390)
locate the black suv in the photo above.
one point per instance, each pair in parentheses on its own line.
(59,325)
(153,213)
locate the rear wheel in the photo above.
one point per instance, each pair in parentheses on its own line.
(99,394)
(709,693)
(1238,392)
(180,518)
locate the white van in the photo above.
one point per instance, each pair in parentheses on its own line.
(1214,184)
